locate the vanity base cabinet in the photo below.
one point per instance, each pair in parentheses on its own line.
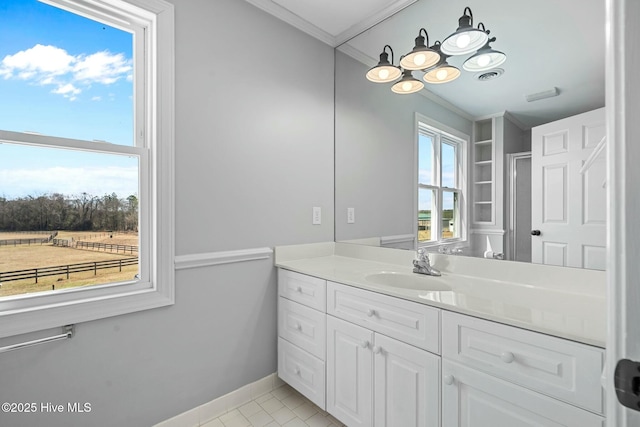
(302,371)
(349,373)
(374,380)
(406,385)
(301,334)
(474,399)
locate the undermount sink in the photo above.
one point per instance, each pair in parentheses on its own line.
(418,282)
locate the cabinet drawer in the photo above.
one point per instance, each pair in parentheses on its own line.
(559,368)
(306,290)
(302,371)
(473,398)
(409,322)
(303,326)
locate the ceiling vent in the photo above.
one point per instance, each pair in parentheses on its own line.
(494,73)
(542,95)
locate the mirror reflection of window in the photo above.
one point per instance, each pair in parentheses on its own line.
(425,207)
(439,187)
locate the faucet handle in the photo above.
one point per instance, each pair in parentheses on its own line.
(423,255)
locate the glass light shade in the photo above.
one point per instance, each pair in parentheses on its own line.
(384,72)
(442,74)
(421,56)
(484,60)
(420,59)
(465,39)
(407,84)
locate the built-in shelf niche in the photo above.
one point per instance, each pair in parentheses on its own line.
(483,171)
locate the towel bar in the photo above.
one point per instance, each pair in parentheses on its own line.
(68,333)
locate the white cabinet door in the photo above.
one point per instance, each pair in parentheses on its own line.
(407,385)
(474,399)
(569,209)
(349,372)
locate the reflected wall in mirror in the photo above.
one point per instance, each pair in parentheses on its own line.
(520,162)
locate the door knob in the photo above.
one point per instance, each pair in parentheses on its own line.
(535,232)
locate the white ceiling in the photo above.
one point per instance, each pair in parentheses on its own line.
(549,43)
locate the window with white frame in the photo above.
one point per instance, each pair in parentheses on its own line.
(86,149)
(441,187)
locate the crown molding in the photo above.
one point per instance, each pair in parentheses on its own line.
(294,20)
(372,20)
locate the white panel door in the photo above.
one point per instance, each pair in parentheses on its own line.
(569,208)
(407,385)
(473,399)
(349,372)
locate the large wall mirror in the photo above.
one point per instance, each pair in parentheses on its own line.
(529,175)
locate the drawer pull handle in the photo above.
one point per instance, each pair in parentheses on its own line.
(377,349)
(297,370)
(371,312)
(448,379)
(365,344)
(507,357)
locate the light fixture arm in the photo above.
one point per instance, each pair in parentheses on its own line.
(385,47)
(466,18)
(426,36)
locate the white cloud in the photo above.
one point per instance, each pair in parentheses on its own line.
(69,181)
(102,67)
(39,60)
(68,91)
(50,65)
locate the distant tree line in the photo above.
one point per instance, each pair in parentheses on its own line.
(84,212)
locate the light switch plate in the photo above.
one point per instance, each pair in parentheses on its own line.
(317,215)
(351,215)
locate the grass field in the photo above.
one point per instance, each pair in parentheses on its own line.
(22,257)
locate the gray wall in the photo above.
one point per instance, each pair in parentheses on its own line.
(254,154)
(375,142)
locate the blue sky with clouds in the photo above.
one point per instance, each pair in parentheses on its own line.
(64,75)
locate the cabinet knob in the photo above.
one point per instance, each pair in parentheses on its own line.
(365,344)
(298,326)
(507,357)
(297,370)
(299,289)
(377,349)
(448,379)
(371,312)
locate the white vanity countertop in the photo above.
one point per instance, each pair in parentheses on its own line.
(563,302)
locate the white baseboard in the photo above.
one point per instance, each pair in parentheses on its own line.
(223,404)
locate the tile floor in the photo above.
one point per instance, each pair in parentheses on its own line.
(282,407)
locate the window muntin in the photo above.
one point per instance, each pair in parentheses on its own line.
(440,187)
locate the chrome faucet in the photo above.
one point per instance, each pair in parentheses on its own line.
(422,265)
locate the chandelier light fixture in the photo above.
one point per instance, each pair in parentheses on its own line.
(432,60)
